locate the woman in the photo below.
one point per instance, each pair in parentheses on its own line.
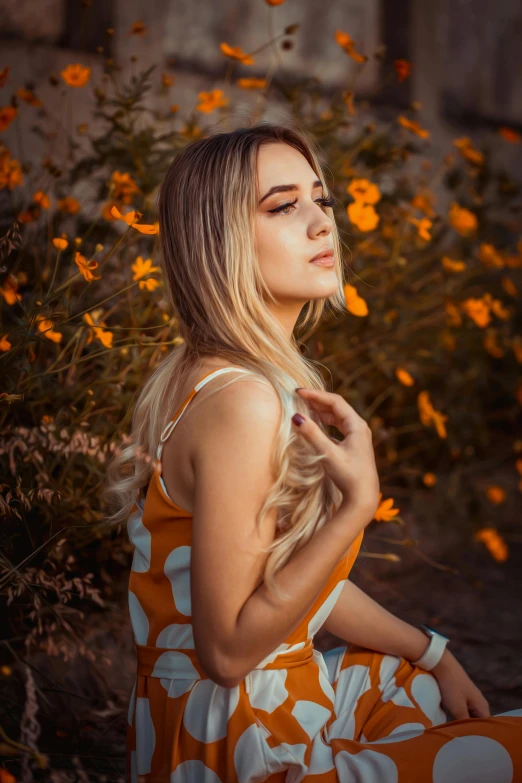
(247,522)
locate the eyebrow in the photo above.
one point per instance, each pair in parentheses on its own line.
(285,188)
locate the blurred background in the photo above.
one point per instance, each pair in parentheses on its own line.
(416,110)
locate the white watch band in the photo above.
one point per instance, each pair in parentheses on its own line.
(433,653)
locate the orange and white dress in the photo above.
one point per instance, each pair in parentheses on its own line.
(349,715)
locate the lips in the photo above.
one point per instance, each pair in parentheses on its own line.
(324,254)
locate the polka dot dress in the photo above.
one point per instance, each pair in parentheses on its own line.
(349,715)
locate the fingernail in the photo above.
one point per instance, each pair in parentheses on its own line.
(299,388)
(298,419)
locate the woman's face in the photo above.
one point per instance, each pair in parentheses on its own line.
(287,240)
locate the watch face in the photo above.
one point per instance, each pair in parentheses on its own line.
(432,631)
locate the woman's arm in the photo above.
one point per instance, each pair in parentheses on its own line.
(359,619)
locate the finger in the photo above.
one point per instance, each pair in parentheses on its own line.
(459,710)
(479,707)
(346,418)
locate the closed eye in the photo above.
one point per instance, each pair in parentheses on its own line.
(325,202)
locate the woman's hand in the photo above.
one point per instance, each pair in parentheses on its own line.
(350,462)
(460,696)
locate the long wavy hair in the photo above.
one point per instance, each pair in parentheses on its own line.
(207,205)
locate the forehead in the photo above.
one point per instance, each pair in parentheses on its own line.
(279,163)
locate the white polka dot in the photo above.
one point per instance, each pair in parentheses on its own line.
(368,766)
(283,648)
(321,758)
(176,688)
(400,733)
(176,636)
(390,691)
(472,759)
(426,692)
(324,678)
(132,700)
(140,537)
(207,710)
(175,664)
(192,770)
(177,569)
(310,716)
(139,620)
(268,690)
(352,682)
(145,736)
(321,616)
(249,754)
(286,756)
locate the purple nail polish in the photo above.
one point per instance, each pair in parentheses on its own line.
(298,419)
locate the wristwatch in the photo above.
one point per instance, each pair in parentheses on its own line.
(434,650)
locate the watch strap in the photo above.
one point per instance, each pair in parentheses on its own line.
(433,652)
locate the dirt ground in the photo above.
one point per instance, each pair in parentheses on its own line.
(477,604)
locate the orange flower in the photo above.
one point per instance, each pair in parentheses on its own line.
(104,336)
(211,100)
(69,205)
(404,376)
(491,345)
(423,227)
(7,115)
(9,290)
(428,415)
(453,266)
(10,171)
(385,512)
(150,284)
(28,96)
(402,69)
(251,84)
(493,542)
(86,267)
(76,75)
(274,2)
(129,218)
(141,267)
(236,53)
(361,189)
(509,286)
(347,44)
(354,303)
(138,28)
(429,479)
(5,775)
(174,108)
(46,327)
(463,221)
(413,126)
(510,135)
(166,80)
(454,317)
(41,199)
(423,202)
(348,97)
(60,243)
(478,310)
(122,186)
(363,216)
(5,345)
(496,494)
(468,151)
(490,256)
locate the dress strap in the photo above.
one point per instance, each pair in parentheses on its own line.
(206,378)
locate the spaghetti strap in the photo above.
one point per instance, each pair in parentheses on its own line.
(179,413)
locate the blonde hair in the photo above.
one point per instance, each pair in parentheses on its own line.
(207,205)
